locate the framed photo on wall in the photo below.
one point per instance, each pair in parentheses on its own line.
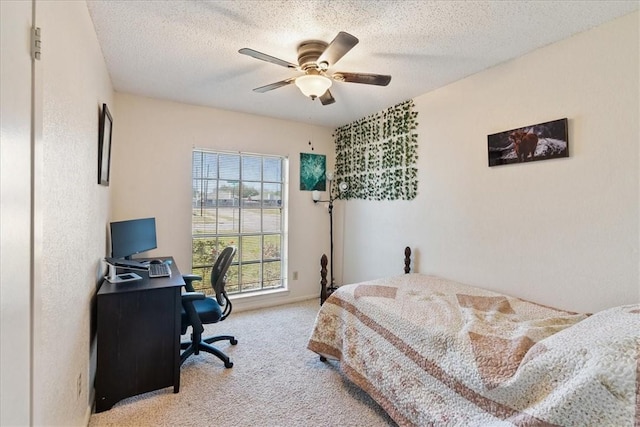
(104,145)
(541,141)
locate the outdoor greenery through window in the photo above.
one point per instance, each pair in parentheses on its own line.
(237,201)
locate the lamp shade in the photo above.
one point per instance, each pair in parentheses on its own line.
(315,195)
(313,85)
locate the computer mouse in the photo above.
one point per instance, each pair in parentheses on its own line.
(155,261)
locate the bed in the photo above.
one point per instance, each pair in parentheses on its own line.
(432,351)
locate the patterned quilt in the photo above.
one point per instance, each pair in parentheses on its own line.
(435,352)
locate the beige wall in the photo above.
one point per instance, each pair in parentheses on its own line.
(561,232)
(73,210)
(152,146)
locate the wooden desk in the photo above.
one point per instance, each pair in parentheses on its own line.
(138,337)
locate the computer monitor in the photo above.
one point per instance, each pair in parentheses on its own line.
(132,237)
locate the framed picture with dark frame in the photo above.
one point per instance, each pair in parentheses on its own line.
(542,141)
(104,145)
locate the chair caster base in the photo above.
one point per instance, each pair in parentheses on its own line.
(228,365)
(233,341)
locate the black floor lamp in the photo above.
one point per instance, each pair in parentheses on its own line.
(316,199)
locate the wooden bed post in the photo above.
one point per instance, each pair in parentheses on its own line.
(407,260)
(323,279)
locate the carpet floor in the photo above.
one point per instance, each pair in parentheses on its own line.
(275,381)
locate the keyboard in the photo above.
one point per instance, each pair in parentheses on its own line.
(159,270)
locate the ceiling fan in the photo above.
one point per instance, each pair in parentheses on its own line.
(315,57)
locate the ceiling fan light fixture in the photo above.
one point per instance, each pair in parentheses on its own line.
(313,85)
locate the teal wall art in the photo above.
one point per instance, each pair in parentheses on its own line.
(313,172)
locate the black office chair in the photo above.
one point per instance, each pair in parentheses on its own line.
(198,310)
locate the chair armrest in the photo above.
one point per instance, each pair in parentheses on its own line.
(189,279)
(187,300)
(192,296)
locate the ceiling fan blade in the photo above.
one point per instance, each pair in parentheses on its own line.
(327,98)
(275,85)
(365,78)
(264,57)
(338,47)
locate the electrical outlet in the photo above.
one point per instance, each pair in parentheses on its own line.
(295,275)
(79,384)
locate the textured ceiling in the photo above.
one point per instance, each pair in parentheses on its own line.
(187,51)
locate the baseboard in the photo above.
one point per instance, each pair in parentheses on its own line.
(89,411)
(245,305)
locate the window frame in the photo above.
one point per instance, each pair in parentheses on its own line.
(205,233)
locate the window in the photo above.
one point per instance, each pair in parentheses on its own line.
(238,200)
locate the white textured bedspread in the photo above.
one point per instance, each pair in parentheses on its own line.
(435,352)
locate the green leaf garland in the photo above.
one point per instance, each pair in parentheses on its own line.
(377,155)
